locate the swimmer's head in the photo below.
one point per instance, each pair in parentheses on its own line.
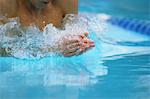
(38,4)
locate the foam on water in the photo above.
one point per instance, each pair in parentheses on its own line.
(31,43)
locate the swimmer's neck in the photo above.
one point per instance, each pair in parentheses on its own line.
(51,13)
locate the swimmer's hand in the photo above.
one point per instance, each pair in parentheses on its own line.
(76,44)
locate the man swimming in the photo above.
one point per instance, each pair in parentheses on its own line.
(43,12)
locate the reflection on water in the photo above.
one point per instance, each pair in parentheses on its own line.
(128,77)
(55,70)
(48,76)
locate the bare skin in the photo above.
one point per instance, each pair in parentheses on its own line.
(43,12)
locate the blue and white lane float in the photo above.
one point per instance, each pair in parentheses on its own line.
(136,25)
(139,26)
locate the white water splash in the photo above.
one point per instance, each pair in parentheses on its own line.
(31,43)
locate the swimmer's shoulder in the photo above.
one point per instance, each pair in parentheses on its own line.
(8,8)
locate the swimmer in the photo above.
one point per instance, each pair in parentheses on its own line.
(43,12)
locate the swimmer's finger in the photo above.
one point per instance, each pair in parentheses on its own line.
(86,47)
(88,40)
(73,48)
(77,52)
(69,54)
(86,33)
(74,51)
(72,41)
(73,45)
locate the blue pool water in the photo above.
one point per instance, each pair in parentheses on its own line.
(139,9)
(118,67)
